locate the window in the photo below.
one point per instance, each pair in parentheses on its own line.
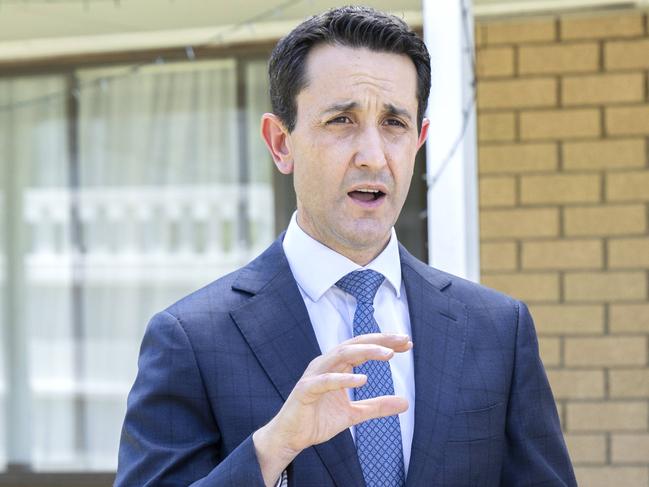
(113,204)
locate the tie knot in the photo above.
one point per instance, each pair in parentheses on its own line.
(362,284)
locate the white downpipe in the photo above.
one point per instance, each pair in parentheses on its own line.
(453,240)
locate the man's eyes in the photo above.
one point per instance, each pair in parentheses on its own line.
(395,122)
(343,119)
(340,119)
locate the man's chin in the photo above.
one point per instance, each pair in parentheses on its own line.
(366,237)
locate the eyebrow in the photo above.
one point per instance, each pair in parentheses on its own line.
(352,105)
(401,112)
(340,107)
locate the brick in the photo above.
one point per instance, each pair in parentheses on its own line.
(560,188)
(496,127)
(629,318)
(479,34)
(517,158)
(527,287)
(601,26)
(518,223)
(629,383)
(608,476)
(558,58)
(495,61)
(627,186)
(628,253)
(602,88)
(606,416)
(626,54)
(585,448)
(497,256)
(517,31)
(517,93)
(568,319)
(633,120)
(577,384)
(550,351)
(562,254)
(605,220)
(604,154)
(560,124)
(605,286)
(630,448)
(497,191)
(605,351)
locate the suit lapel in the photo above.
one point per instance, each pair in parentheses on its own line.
(276,325)
(438,325)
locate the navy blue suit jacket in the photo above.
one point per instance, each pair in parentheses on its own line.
(218,365)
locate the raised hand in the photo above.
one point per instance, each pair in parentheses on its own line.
(319,408)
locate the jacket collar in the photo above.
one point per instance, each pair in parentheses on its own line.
(439,329)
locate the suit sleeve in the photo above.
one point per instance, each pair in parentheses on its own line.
(170,436)
(535,452)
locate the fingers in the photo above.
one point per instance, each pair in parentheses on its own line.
(398,343)
(311,388)
(343,358)
(377,407)
(373,346)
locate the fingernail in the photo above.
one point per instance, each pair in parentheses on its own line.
(399,335)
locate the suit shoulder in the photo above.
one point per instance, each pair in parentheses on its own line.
(217,296)
(479,294)
(231,290)
(490,314)
(470,293)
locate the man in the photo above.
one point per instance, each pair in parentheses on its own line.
(299,368)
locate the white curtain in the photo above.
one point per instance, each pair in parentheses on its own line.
(165,188)
(33,159)
(3,319)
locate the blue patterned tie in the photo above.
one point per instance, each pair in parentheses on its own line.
(378,441)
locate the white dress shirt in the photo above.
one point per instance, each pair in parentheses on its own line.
(317,268)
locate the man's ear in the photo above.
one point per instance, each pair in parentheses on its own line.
(423,133)
(275,136)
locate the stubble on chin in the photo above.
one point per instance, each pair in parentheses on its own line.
(352,238)
(363,237)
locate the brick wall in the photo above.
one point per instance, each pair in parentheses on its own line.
(563,124)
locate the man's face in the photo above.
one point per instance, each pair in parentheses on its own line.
(354,145)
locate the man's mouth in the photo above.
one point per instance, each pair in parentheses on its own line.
(366,195)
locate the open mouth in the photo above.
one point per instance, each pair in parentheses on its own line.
(366,195)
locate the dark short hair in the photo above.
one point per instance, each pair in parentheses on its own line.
(351,26)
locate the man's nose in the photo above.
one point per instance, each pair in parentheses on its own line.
(370,150)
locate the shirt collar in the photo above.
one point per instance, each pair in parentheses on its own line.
(317,268)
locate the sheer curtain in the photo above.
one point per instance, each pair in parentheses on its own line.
(163,187)
(260,166)
(3,306)
(33,158)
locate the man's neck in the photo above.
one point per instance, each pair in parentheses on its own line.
(360,256)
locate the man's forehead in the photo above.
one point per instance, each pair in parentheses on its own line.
(338,75)
(343,55)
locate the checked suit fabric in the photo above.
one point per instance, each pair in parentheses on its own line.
(485,414)
(378,441)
